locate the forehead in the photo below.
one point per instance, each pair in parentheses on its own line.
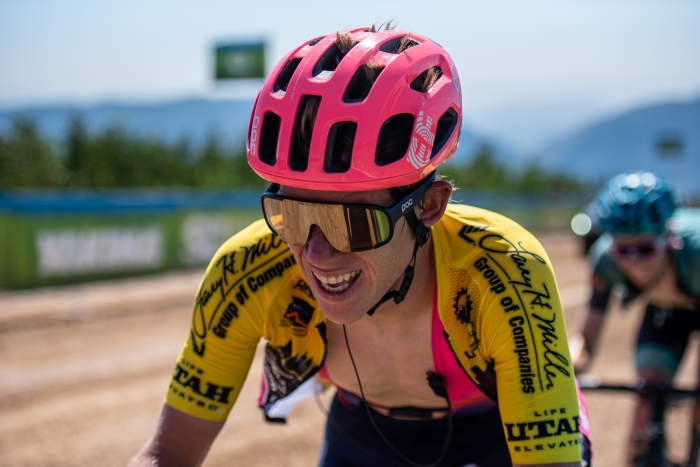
(380,197)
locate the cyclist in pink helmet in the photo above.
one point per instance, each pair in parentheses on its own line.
(439,324)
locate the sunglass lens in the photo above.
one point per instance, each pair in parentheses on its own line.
(347,228)
(285,221)
(646,250)
(367,228)
(640,250)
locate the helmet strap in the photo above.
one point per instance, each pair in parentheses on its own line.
(422,235)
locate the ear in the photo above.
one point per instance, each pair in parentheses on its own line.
(435,202)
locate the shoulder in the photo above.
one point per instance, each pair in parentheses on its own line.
(599,249)
(599,254)
(462,214)
(250,248)
(244,265)
(256,233)
(229,316)
(685,223)
(466,233)
(490,271)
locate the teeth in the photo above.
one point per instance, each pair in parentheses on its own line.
(335,289)
(327,281)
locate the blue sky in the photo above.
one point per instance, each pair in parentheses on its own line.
(531,70)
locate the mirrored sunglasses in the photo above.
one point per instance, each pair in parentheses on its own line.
(639,250)
(347,227)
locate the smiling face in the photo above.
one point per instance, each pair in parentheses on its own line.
(347,285)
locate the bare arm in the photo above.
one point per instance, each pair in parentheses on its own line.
(583,344)
(180,440)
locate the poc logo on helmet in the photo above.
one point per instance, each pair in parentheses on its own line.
(254,136)
(406,205)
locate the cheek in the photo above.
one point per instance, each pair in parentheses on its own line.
(297,251)
(395,255)
(656,264)
(641,268)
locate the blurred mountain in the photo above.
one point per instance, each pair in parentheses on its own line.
(662,138)
(193,119)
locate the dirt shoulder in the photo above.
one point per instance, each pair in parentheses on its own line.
(85,369)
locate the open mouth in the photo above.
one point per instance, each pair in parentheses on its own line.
(337,283)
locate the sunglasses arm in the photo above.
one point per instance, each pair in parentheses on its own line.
(414,198)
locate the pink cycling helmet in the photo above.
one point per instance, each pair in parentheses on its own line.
(373,124)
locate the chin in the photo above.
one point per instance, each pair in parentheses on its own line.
(341,315)
(346,306)
(642,282)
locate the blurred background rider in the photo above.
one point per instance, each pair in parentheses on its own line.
(652,249)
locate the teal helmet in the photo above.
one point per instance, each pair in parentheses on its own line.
(635,203)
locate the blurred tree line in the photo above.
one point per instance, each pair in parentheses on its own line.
(112,158)
(485,171)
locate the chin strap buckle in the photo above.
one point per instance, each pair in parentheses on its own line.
(422,234)
(405,285)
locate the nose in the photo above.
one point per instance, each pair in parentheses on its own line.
(318,249)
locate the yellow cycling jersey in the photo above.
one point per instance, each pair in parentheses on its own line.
(497,299)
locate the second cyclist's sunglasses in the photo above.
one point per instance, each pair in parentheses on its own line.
(347,227)
(640,250)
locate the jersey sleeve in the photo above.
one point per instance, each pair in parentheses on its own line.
(503,317)
(226,326)
(524,336)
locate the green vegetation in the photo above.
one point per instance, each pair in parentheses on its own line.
(485,172)
(113,158)
(26,160)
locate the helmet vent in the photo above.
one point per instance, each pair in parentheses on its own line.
(269,136)
(329,61)
(427,79)
(339,147)
(398,45)
(361,83)
(445,127)
(394,138)
(285,75)
(303,132)
(313,42)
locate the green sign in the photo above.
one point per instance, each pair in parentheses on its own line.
(239,60)
(38,250)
